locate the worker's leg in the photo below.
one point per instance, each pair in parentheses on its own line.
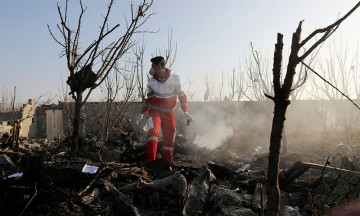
(168,129)
(154,125)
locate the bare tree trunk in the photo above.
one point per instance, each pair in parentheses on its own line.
(275,145)
(284,141)
(273,191)
(77,123)
(281,100)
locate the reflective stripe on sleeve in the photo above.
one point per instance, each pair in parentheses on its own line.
(174,136)
(150,123)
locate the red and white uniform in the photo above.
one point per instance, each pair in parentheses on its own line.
(160,104)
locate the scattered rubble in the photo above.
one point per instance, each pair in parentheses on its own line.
(112,178)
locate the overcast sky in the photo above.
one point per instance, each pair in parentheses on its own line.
(211,35)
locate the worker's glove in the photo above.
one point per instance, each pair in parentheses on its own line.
(188,117)
(138,118)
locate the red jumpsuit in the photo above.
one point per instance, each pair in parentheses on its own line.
(160,105)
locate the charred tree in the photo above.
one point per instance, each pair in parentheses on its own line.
(84,78)
(281,99)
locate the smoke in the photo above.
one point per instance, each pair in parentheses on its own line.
(214,136)
(216,123)
(210,127)
(245,126)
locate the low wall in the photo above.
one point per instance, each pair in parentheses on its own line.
(240,116)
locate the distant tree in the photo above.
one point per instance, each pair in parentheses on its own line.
(257,79)
(80,62)
(120,90)
(112,88)
(170,51)
(169,54)
(4,100)
(215,90)
(341,67)
(221,86)
(140,71)
(259,83)
(236,86)
(281,98)
(188,90)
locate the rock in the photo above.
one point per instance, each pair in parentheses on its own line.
(356,166)
(109,155)
(225,197)
(6,162)
(343,149)
(243,168)
(290,211)
(337,160)
(341,161)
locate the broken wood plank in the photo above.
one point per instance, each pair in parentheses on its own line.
(300,167)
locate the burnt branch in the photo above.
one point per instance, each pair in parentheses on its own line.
(56,40)
(77,36)
(277,62)
(258,66)
(327,32)
(101,34)
(269,96)
(343,94)
(170,52)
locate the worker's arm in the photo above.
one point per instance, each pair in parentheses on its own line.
(183,102)
(181,96)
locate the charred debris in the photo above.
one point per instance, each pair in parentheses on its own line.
(112,178)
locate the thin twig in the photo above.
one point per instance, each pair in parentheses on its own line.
(262,200)
(317,74)
(322,173)
(29,200)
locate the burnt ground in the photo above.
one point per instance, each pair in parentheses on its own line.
(318,176)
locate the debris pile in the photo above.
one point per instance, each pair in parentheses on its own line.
(112,178)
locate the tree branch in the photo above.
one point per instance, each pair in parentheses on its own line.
(327,32)
(317,74)
(77,36)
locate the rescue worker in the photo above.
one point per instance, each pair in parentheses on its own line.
(163,89)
